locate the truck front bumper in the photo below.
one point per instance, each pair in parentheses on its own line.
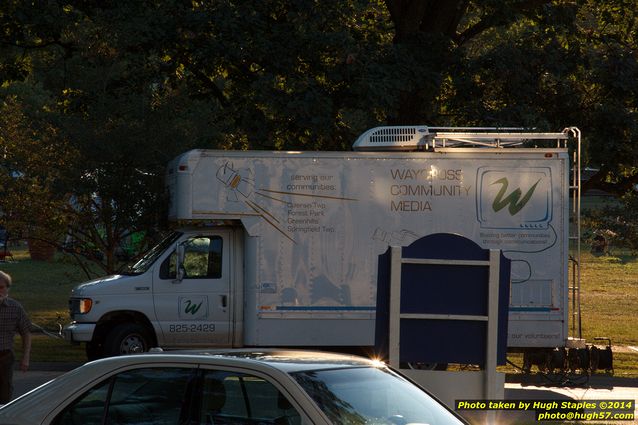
(78,332)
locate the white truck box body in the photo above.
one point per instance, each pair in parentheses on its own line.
(316,223)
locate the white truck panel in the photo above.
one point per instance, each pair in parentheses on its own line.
(317,222)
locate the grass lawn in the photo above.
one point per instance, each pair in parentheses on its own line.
(609,297)
(43,288)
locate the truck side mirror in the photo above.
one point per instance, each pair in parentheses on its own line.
(179,264)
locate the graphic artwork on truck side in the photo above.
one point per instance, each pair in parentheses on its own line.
(513,198)
(529,205)
(240,186)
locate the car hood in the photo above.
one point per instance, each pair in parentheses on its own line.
(112,284)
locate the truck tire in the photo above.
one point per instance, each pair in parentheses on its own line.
(426,366)
(94,351)
(127,338)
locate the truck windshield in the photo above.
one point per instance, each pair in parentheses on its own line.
(142,265)
(369,395)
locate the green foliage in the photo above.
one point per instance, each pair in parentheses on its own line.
(126,86)
(107,103)
(31,199)
(616,223)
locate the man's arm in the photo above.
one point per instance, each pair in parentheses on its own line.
(26,351)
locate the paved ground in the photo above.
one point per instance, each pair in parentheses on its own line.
(38,374)
(518,387)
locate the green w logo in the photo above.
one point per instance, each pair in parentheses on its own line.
(513,199)
(192,308)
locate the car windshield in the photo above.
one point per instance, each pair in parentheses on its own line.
(372,396)
(141,265)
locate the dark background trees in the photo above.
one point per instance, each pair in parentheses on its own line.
(107,92)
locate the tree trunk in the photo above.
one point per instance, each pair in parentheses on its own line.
(428,28)
(428,16)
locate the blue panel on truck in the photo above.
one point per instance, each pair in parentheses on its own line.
(443,289)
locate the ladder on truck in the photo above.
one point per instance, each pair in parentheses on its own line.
(424,138)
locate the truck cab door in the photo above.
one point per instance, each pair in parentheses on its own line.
(196,309)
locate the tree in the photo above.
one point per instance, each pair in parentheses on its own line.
(610,92)
(531,63)
(32,201)
(128,85)
(106,101)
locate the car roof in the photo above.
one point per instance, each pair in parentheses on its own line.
(267,361)
(282,359)
(285,360)
(271,362)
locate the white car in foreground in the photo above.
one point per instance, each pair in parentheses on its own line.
(232,387)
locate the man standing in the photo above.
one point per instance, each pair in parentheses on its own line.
(13,319)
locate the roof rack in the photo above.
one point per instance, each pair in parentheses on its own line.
(421,137)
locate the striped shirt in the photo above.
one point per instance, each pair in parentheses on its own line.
(13,319)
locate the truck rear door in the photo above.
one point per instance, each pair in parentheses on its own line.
(195,310)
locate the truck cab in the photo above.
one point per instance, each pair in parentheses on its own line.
(177,295)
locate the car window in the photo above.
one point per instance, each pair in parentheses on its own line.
(137,397)
(148,396)
(202,259)
(88,409)
(236,398)
(368,395)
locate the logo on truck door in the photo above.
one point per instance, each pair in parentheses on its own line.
(193,308)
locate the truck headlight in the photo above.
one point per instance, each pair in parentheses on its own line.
(85,305)
(80,305)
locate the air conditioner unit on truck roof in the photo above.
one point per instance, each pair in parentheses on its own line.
(412,138)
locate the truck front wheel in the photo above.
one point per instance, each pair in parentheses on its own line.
(127,338)
(93,351)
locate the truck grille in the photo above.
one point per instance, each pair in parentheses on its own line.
(74,306)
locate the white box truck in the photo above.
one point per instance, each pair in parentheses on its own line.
(281,248)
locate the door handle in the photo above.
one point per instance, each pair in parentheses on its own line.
(224,300)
